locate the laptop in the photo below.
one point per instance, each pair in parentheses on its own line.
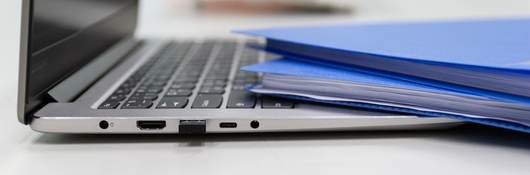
(82,70)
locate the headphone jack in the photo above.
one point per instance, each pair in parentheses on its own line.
(254,124)
(103,124)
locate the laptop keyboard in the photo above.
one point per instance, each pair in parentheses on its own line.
(194,75)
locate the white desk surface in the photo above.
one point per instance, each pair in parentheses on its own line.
(466,150)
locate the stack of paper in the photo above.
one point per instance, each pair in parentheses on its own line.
(476,71)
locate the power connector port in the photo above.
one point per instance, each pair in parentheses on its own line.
(228,125)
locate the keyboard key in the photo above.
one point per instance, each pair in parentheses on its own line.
(183,86)
(216,77)
(245,75)
(218,74)
(128,85)
(162,77)
(137,105)
(241,99)
(172,102)
(153,84)
(214,83)
(193,81)
(238,87)
(244,82)
(145,97)
(212,90)
(221,67)
(188,77)
(186,80)
(150,97)
(140,100)
(116,98)
(223,71)
(109,104)
(154,90)
(141,94)
(207,101)
(276,103)
(123,91)
(179,92)
(193,72)
(142,91)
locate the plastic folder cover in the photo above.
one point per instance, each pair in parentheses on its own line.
(459,42)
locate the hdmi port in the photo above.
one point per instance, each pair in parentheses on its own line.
(151,125)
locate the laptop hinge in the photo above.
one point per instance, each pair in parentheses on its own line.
(73,86)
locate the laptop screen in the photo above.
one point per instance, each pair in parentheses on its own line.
(64,35)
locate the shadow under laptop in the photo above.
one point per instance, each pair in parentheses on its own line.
(469,133)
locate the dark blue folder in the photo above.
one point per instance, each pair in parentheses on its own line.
(490,56)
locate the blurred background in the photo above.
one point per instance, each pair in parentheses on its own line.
(191,18)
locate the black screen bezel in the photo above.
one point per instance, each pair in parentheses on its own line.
(96,39)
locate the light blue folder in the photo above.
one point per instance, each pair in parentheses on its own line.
(488,56)
(520,120)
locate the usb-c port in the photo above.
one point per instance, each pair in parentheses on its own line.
(151,124)
(228,125)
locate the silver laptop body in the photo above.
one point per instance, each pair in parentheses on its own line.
(82,71)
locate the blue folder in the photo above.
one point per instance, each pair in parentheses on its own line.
(486,56)
(334,72)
